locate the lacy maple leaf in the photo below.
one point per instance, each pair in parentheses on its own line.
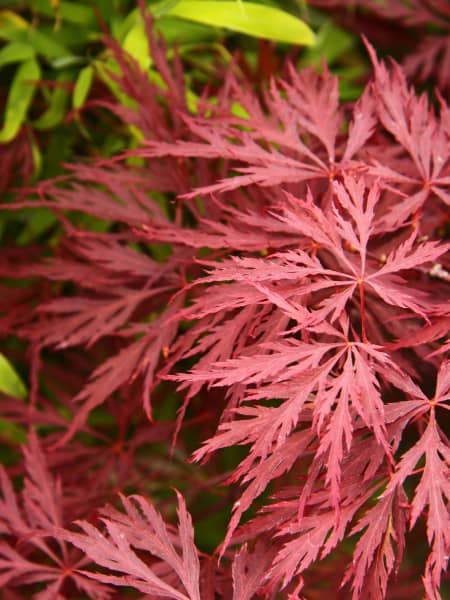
(142,529)
(32,549)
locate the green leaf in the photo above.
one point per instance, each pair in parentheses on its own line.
(82,86)
(121,25)
(186,32)
(71,36)
(37,157)
(104,70)
(164,7)
(332,42)
(10,24)
(15,29)
(10,382)
(257,20)
(46,45)
(108,9)
(67,11)
(55,113)
(38,221)
(15,52)
(136,44)
(59,148)
(19,98)
(68,61)
(12,433)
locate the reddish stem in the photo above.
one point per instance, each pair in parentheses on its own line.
(363,311)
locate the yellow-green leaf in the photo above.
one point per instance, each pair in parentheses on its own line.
(19,98)
(10,23)
(163,8)
(136,44)
(10,382)
(15,52)
(82,86)
(37,157)
(257,20)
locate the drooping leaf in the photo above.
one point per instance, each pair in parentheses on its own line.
(15,52)
(258,20)
(19,98)
(82,86)
(10,382)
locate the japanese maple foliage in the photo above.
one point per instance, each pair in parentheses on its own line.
(295,293)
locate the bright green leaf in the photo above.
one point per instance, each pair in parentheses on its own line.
(257,20)
(10,24)
(10,382)
(15,52)
(164,7)
(82,86)
(19,99)
(188,32)
(136,44)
